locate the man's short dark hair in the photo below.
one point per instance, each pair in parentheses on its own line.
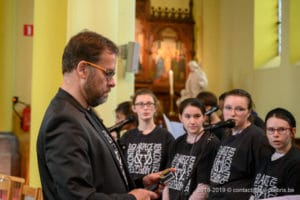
(88,46)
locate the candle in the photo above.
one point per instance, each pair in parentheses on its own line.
(171,79)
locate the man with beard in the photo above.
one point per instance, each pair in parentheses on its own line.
(77,157)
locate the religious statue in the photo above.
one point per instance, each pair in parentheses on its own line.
(195,83)
(160,67)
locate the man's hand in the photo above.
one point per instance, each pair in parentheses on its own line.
(156,181)
(143,194)
(154,178)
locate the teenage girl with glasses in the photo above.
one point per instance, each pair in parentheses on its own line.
(241,151)
(279,175)
(146,146)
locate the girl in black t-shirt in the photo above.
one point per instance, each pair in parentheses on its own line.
(192,155)
(146,147)
(241,150)
(279,176)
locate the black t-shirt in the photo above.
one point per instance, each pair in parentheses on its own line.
(235,165)
(193,163)
(279,177)
(146,154)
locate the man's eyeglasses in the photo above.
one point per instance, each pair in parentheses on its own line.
(238,110)
(147,104)
(280,130)
(108,73)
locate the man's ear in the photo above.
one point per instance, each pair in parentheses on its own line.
(82,69)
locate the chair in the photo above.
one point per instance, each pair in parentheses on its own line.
(30,193)
(16,187)
(5,187)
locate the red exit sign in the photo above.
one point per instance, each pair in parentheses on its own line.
(28,30)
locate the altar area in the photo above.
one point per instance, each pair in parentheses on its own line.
(166,36)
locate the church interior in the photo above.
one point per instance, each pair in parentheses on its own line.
(250,44)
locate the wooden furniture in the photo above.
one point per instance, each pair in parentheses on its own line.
(166,37)
(16,187)
(5,187)
(31,193)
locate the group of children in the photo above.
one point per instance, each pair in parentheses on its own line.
(243,162)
